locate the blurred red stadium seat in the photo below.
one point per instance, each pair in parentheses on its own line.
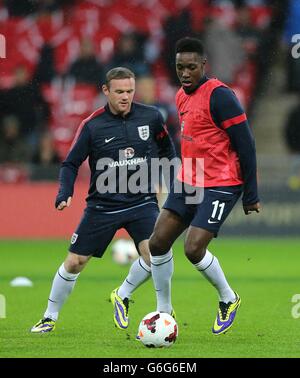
(69,105)
(104,22)
(261,16)
(13,173)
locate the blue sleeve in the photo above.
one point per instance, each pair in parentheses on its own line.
(165,147)
(243,142)
(228,114)
(224,105)
(69,168)
(163,140)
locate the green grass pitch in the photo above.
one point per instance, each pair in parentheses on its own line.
(265,272)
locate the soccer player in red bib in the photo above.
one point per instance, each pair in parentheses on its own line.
(219,159)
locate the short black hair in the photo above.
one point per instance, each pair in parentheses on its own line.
(188,44)
(118,73)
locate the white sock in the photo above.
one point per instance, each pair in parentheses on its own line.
(138,273)
(210,268)
(162,268)
(62,286)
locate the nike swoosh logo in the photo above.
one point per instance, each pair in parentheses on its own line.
(108,140)
(182,113)
(210,221)
(220,324)
(217,327)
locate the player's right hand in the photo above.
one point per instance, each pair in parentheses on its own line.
(64,204)
(248,209)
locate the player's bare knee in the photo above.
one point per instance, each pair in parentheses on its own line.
(153,245)
(194,251)
(75,263)
(146,258)
(157,245)
(143,248)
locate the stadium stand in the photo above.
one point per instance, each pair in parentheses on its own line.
(44,38)
(61,26)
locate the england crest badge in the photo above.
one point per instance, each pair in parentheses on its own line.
(74,238)
(144,132)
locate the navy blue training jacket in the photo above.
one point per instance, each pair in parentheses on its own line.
(131,140)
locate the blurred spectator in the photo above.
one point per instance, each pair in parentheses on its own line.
(20,8)
(45,161)
(45,69)
(292,138)
(13,149)
(176,27)
(146,94)
(23,8)
(86,68)
(250,35)
(292,129)
(224,50)
(130,53)
(25,101)
(47,6)
(45,154)
(239,2)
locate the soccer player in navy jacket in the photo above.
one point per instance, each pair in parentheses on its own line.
(117,139)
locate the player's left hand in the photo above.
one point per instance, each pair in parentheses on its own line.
(248,209)
(64,204)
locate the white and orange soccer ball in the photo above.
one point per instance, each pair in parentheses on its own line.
(158,330)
